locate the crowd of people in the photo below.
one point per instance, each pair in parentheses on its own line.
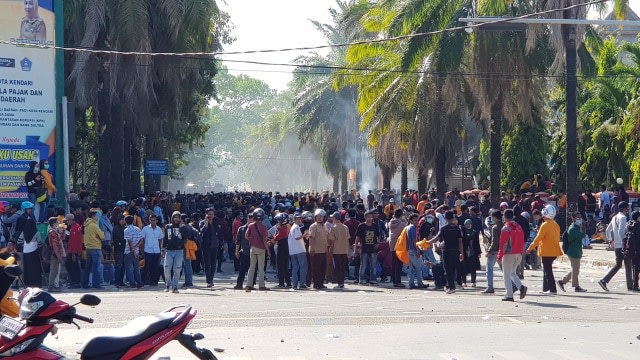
(309,239)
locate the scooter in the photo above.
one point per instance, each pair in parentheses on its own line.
(141,338)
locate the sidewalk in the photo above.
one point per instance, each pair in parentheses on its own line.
(596,257)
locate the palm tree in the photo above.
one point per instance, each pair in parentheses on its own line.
(136,95)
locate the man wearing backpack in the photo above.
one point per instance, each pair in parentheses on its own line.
(572,246)
(616,232)
(510,253)
(176,234)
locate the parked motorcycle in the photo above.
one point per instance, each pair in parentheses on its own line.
(141,338)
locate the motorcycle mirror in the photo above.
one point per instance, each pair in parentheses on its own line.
(90,300)
(13,270)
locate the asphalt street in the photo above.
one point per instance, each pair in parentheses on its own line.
(364,322)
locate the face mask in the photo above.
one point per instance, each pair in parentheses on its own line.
(36,169)
(46,166)
(430,220)
(579,222)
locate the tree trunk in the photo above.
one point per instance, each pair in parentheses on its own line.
(336,183)
(441,173)
(422,181)
(344,176)
(495,156)
(358,166)
(404,178)
(117,152)
(126,161)
(103,117)
(136,165)
(569,33)
(387,175)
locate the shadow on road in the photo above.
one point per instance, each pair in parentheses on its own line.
(555,306)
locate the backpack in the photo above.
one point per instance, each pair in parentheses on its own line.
(565,241)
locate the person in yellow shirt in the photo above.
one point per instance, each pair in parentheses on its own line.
(548,243)
(92,238)
(390,208)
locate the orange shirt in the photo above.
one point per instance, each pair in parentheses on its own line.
(420,206)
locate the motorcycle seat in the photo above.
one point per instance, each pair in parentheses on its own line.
(121,339)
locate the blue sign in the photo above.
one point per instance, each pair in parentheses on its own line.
(156,167)
(7,62)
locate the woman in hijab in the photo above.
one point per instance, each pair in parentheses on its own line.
(32,26)
(27,236)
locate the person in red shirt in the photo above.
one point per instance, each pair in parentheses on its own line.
(282,254)
(510,254)
(74,250)
(257,236)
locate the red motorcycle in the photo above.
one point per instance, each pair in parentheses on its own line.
(142,337)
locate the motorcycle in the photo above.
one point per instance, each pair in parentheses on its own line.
(141,338)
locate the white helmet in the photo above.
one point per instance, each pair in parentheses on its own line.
(549,212)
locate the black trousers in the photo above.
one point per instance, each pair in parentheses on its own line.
(119,260)
(396,269)
(451,261)
(282,258)
(341,264)
(210,257)
(244,267)
(319,267)
(620,259)
(73,268)
(548,280)
(636,271)
(220,258)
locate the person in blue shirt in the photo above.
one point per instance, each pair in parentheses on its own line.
(415,263)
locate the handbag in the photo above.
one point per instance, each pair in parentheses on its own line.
(42,195)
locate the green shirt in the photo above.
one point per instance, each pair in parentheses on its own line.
(575,242)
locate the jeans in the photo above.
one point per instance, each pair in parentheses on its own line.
(94,257)
(415,268)
(188,272)
(491,262)
(150,273)
(427,255)
(132,269)
(299,269)
(257,257)
(620,259)
(173,260)
(244,267)
(368,261)
(119,268)
(210,256)
(43,208)
(586,241)
(510,264)
(548,281)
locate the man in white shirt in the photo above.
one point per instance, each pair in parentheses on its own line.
(615,232)
(297,254)
(152,236)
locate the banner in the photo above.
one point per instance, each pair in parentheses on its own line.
(27,91)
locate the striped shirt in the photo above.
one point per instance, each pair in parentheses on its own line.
(132,235)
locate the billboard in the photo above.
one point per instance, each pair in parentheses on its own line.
(27,91)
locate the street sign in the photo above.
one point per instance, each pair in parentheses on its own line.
(156,167)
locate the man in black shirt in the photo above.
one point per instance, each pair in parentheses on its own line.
(367,238)
(452,249)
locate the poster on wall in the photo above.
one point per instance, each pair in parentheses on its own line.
(27,91)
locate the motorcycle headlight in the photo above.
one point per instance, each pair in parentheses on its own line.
(28,308)
(18,348)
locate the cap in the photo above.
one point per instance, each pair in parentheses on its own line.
(336,215)
(468,222)
(391,200)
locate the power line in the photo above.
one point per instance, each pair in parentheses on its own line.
(302,48)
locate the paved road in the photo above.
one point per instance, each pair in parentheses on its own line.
(384,323)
